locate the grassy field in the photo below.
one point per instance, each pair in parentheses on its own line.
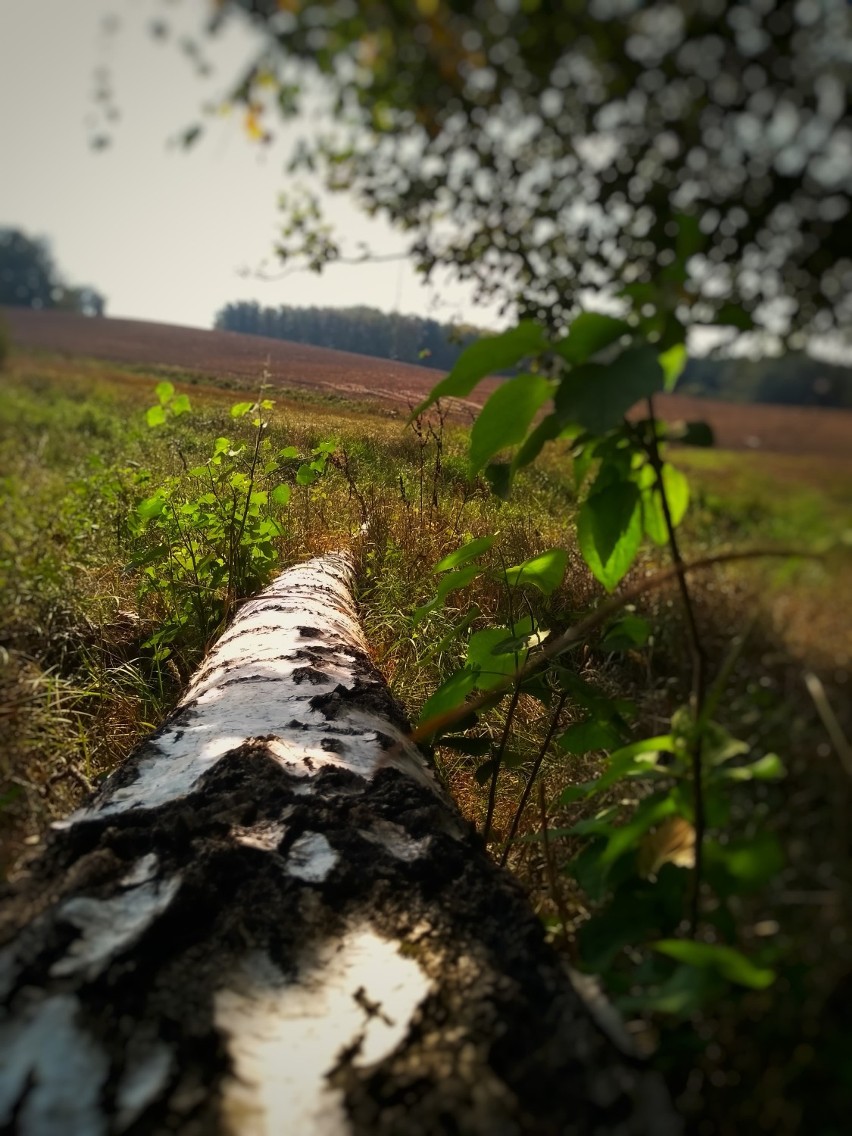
(80,683)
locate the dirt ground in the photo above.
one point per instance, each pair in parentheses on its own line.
(241,358)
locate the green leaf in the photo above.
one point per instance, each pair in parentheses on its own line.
(458,579)
(467,552)
(589,333)
(514,759)
(499,477)
(151,507)
(164,391)
(506,417)
(682,994)
(221,445)
(637,759)
(638,912)
(577,792)
(520,642)
(676,488)
(743,866)
(538,687)
(490,668)
(590,734)
(485,772)
(673,362)
(449,583)
(767,768)
(546,431)
(241,409)
(719,746)
(180,405)
(306,474)
(486,357)
(598,396)
(288,452)
(449,695)
(281,494)
(155,416)
(626,632)
(447,640)
(725,961)
(544,571)
(650,812)
(584,455)
(609,531)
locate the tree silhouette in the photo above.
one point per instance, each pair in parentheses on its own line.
(30,279)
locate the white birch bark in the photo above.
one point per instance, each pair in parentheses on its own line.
(273,920)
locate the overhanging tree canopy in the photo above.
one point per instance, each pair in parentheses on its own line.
(692,157)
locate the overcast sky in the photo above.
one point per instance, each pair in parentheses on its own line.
(162,232)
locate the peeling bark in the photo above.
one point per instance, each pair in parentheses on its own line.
(271,919)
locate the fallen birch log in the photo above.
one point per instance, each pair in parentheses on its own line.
(272,920)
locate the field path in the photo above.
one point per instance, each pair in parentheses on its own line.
(231,355)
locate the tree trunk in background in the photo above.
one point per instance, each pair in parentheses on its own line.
(272,920)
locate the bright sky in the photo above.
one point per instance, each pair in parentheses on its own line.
(162,232)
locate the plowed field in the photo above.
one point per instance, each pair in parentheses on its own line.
(227,354)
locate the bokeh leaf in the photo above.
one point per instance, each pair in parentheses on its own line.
(506,417)
(486,357)
(544,571)
(589,333)
(597,396)
(729,963)
(609,531)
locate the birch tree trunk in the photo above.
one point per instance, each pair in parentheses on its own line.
(272,920)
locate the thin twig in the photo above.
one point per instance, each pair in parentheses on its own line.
(542,753)
(829,720)
(498,759)
(295,269)
(442,722)
(699,672)
(550,866)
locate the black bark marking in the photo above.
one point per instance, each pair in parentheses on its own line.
(309,674)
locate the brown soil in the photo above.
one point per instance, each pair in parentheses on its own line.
(230,355)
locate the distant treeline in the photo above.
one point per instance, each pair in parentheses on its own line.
(795,379)
(363,330)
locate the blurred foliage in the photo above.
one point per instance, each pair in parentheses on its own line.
(691,157)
